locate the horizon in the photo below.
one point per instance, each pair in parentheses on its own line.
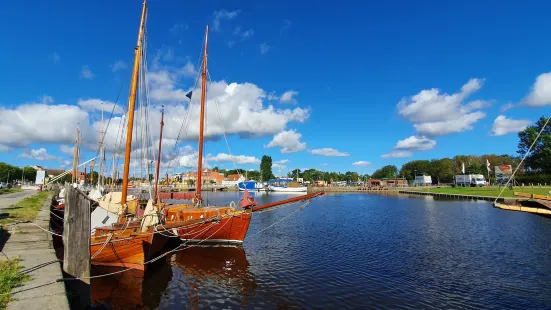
(375,86)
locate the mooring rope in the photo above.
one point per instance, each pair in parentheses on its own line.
(523,158)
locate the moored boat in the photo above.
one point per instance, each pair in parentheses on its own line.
(286,185)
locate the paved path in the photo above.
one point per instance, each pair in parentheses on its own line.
(34,246)
(7,200)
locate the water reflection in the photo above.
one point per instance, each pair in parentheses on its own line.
(211,274)
(133,289)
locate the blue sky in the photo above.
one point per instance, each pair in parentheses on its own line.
(375,82)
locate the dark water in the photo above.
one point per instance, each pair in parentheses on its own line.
(357,251)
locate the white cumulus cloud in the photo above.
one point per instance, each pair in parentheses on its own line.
(540,94)
(361,163)
(67,149)
(119,65)
(435,113)
(92,105)
(287,97)
(415,143)
(397,154)
(238,159)
(288,141)
(326,151)
(503,125)
(264,48)
(37,154)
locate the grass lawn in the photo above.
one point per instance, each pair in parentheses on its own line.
(10,190)
(491,191)
(26,209)
(9,278)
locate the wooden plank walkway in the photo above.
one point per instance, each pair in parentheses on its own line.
(455,196)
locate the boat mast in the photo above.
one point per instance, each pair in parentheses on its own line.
(131,106)
(198,199)
(75,159)
(101,149)
(159,159)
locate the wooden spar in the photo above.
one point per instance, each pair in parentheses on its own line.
(131,105)
(290,200)
(100,168)
(159,159)
(198,198)
(75,155)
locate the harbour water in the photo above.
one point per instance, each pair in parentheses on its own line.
(355,251)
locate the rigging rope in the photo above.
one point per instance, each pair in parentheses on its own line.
(523,158)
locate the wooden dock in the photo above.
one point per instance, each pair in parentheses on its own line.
(454,196)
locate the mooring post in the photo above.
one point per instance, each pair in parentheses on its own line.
(76,244)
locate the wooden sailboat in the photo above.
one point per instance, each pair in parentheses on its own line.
(227,224)
(126,243)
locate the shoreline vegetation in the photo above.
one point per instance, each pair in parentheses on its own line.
(25,210)
(9,279)
(10,190)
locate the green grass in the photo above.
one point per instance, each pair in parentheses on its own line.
(26,209)
(9,278)
(10,190)
(491,191)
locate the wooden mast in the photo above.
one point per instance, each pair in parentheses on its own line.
(101,150)
(131,105)
(198,199)
(159,159)
(75,159)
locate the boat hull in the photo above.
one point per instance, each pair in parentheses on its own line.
(230,229)
(127,252)
(288,189)
(250,186)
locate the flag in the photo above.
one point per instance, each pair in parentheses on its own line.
(488,165)
(463,168)
(189,95)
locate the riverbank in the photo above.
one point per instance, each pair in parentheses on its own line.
(33,247)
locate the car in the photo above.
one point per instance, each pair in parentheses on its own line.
(2,185)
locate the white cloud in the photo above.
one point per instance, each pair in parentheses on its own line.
(285,25)
(178,28)
(278,166)
(221,15)
(288,141)
(324,165)
(283,161)
(541,92)
(230,43)
(119,65)
(96,105)
(414,143)
(86,73)
(287,97)
(461,123)
(503,125)
(189,70)
(238,159)
(397,154)
(243,34)
(326,151)
(507,107)
(435,113)
(55,58)
(65,164)
(361,163)
(67,149)
(37,154)
(264,48)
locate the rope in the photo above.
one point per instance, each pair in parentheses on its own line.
(283,218)
(103,246)
(50,232)
(523,158)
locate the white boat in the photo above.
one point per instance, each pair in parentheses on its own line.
(286,185)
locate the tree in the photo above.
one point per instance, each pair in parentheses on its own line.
(389,171)
(266,167)
(442,170)
(416,167)
(539,158)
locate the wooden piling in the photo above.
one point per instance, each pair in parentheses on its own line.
(76,242)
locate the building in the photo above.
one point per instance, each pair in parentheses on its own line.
(208,177)
(233,179)
(321,183)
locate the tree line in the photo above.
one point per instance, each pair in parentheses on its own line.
(10,173)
